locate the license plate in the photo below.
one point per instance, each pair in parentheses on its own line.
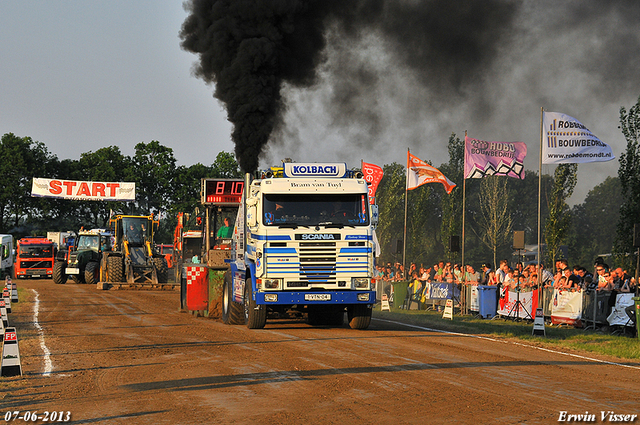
(317,297)
(35,275)
(71,270)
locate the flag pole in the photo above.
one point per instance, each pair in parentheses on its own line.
(404,237)
(540,203)
(463,308)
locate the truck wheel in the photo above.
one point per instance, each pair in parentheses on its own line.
(59,277)
(232,313)
(359,316)
(255,316)
(162,270)
(114,269)
(92,273)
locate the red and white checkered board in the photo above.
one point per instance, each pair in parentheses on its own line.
(193,273)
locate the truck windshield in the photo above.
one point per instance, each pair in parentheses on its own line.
(36,251)
(317,209)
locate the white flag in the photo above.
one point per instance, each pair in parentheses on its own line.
(565,140)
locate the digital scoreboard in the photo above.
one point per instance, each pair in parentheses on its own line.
(225,192)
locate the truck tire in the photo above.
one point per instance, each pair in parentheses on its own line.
(115,271)
(59,277)
(255,316)
(92,273)
(162,270)
(232,313)
(359,316)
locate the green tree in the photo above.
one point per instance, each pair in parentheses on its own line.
(153,169)
(523,196)
(594,222)
(452,203)
(559,218)
(106,164)
(21,159)
(390,198)
(629,174)
(226,167)
(494,220)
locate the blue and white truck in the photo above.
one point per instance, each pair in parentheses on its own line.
(303,242)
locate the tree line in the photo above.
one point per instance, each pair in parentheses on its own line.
(162,187)
(495,207)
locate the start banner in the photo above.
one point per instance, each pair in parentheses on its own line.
(83,191)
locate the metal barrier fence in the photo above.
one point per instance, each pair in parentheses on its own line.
(596,305)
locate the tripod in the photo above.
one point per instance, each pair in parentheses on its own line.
(518,304)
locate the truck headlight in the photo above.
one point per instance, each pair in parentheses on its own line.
(272,298)
(270,283)
(363,297)
(360,282)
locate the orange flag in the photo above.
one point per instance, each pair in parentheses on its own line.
(419,173)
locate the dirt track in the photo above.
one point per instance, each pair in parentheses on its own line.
(131,357)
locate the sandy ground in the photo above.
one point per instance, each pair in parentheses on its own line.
(132,357)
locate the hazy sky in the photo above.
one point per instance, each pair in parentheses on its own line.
(81,75)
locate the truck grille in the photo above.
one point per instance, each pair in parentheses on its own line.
(317,262)
(45,264)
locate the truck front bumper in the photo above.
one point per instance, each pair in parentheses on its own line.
(319,297)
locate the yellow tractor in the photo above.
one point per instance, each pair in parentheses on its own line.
(133,262)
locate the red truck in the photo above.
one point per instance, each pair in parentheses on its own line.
(34,258)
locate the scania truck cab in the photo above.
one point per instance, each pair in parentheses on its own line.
(303,241)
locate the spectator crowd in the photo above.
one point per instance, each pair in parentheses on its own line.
(519,278)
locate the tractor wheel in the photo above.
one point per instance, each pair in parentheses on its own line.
(359,316)
(162,270)
(78,278)
(115,272)
(59,277)
(255,316)
(92,273)
(231,310)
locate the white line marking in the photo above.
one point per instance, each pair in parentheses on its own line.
(510,342)
(48,366)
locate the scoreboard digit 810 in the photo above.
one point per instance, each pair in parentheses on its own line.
(224,192)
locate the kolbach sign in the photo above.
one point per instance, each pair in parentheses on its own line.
(83,191)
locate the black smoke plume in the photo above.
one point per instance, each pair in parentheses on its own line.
(250,48)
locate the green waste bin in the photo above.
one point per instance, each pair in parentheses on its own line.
(637,303)
(399,293)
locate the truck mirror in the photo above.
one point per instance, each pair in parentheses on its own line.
(374,214)
(252,216)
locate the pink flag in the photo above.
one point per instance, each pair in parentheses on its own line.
(483,159)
